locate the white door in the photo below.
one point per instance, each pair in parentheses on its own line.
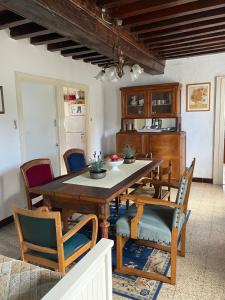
(40,133)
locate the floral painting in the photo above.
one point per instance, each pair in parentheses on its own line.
(198,97)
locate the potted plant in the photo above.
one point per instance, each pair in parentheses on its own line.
(128,154)
(96,164)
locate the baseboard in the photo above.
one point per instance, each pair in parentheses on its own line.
(202,180)
(6,221)
(10,219)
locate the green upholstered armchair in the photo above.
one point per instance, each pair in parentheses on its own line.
(41,240)
(155,223)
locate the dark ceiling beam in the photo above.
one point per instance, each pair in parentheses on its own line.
(178,37)
(206,42)
(9,19)
(74,51)
(193,48)
(113,3)
(179,21)
(102,62)
(82,23)
(205,52)
(47,38)
(63,46)
(98,59)
(27,30)
(188,40)
(88,55)
(142,7)
(183,29)
(173,12)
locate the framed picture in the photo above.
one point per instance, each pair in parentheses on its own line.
(2,107)
(78,109)
(198,97)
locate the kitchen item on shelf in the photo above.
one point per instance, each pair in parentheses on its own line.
(133,101)
(141,102)
(115,164)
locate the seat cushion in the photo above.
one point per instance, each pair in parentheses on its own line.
(70,246)
(155,225)
(144,191)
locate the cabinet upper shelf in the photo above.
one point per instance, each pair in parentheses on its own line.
(148,101)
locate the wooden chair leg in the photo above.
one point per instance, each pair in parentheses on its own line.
(119,252)
(183,240)
(117,199)
(127,204)
(173,256)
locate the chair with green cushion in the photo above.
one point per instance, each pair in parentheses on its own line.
(155,223)
(41,240)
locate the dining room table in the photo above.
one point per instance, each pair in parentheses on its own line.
(77,192)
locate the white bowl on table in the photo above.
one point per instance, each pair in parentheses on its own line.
(115,164)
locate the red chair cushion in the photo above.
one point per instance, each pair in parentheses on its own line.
(38,175)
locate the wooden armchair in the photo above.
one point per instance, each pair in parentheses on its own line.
(153,222)
(74,160)
(36,172)
(41,240)
(158,185)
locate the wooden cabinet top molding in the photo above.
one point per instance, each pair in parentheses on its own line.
(152,86)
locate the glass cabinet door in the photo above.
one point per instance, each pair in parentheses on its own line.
(136,104)
(162,102)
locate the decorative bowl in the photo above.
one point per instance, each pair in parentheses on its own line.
(129,160)
(98,175)
(115,164)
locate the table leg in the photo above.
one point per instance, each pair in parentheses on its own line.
(103,223)
(47,202)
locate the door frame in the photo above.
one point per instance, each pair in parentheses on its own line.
(219,131)
(58,84)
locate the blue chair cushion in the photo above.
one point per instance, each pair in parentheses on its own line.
(155,225)
(70,246)
(76,162)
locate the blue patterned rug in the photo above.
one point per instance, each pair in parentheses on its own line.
(134,255)
(131,287)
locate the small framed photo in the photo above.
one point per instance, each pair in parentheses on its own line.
(78,110)
(198,97)
(2,106)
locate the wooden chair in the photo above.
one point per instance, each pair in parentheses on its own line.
(41,240)
(74,160)
(36,172)
(158,185)
(153,222)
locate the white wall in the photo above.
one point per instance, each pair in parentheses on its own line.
(22,57)
(198,125)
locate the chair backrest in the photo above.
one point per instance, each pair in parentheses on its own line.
(38,228)
(165,172)
(189,174)
(74,160)
(37,172)
(184,191)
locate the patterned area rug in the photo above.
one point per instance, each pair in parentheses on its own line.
(148,259)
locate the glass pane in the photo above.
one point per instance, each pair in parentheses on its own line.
(162,102)
(135,104)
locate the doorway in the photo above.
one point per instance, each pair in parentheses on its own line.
(39,122)
(43,118)
(219,132)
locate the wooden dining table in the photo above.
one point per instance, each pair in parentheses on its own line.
(94,195)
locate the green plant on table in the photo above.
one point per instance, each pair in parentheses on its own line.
(128,152)
(96,163)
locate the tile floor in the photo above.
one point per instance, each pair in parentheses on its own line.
(201,274)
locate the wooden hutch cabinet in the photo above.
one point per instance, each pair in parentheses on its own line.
(148,102)
(151,101)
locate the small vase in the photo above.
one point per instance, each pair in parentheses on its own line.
(98,175)
(129,160)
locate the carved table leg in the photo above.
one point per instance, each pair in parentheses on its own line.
(47,202)
(104,224)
